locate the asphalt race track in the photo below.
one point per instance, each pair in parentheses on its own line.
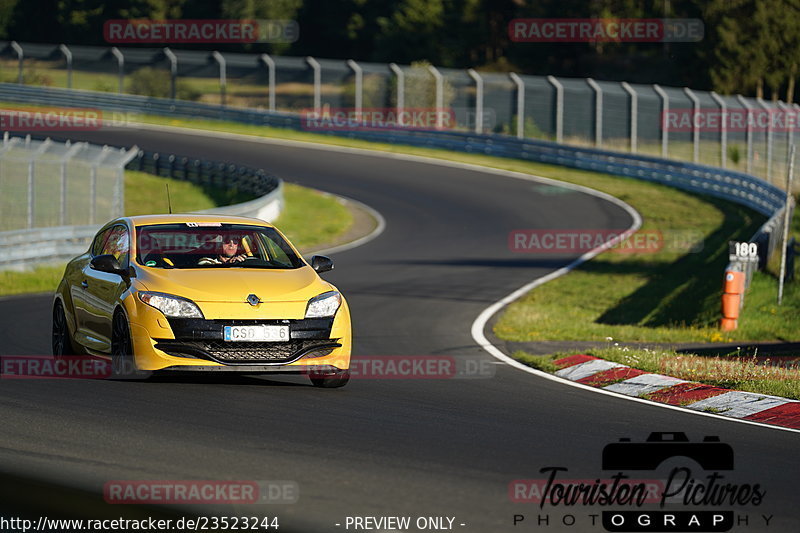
(418,447)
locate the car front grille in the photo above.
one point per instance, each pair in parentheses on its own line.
(248,352)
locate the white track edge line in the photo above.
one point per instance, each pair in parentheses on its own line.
(480,322)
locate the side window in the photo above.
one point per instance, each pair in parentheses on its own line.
(118,244)
(99,241)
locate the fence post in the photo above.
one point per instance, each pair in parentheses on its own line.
(598,112)
(173,71)
(664,111)
(72,150)
(267,59)
(559,107)
(120,67)
(749,131)
(439,79)
(223,75)
(478,99)
(787,109)
(401,91)
(695,126)
(520,104)
(634,114)
(20,58)
(68,57)
(723,130)
(315,66)
(787,212)
(359,73)
(766,108)
(32,177)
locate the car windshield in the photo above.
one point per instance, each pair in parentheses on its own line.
(213,245)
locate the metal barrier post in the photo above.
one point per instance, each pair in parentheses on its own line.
(20,58)
(267,59)
(478,99)
(439,79)
(401,91)
(598,112)
(520,104)
(559,107)
(121,68)
(173,71)
(723,130)
(664,111)
(695,125)
(749,131)
(634,114)
(68,57)
(765,107)
(223,80)
(315,66)
(359,73)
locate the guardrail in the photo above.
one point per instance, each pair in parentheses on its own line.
(731,185)
(21,249)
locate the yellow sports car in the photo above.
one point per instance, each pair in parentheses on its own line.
(206,293)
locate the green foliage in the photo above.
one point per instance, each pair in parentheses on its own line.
(149,81)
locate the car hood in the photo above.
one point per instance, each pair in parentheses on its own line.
(235,284)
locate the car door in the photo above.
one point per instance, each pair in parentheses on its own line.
(102,290)
(78,293)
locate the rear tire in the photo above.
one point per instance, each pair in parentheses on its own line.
(334,380)
(61,342)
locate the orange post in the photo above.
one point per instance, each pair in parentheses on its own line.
(734,282)
(730,305)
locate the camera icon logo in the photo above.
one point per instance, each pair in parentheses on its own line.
(710,454)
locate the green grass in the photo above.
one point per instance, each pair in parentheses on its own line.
(309,218)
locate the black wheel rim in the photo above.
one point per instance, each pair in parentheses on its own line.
(59,330)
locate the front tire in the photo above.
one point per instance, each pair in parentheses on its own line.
(123,363)
(333,380)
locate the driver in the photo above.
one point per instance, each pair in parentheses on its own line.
(230,253)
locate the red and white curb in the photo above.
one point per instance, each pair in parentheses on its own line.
(614,377)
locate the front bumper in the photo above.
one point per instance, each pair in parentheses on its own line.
(162,343)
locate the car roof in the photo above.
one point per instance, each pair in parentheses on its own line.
(180,218)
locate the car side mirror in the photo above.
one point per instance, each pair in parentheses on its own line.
(321,264)
(108,263)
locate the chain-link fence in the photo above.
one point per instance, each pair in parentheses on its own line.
(47,183)
(730,131)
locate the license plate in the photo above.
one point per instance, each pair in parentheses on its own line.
(256,333)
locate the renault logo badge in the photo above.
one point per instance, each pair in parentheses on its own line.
(253,300)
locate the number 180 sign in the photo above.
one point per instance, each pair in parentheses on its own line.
(742,251)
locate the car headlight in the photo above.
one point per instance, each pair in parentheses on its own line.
(171,305)
(324,305)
